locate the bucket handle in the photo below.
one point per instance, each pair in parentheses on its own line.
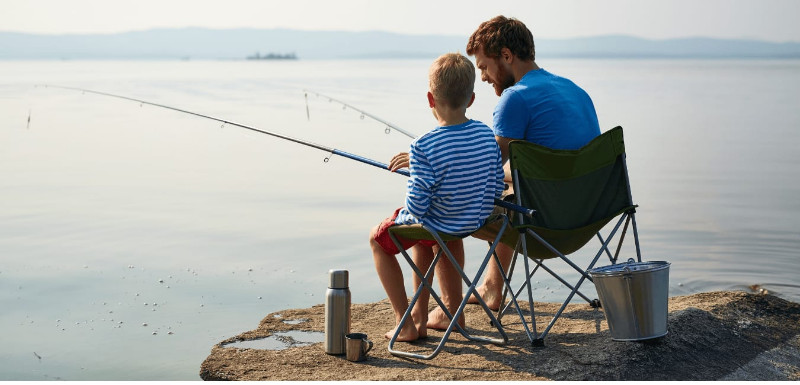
(628,276)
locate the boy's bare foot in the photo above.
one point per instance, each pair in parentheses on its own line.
(420,322)
(408,333)
(422,330)
(437,320)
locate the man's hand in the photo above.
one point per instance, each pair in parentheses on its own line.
(399,161)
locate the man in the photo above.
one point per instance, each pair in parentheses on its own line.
(534,105)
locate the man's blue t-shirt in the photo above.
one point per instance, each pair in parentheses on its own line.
(548,110)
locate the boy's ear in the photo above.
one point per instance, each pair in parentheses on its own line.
(431,100)
(472,99)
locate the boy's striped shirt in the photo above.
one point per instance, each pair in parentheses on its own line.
(456,173)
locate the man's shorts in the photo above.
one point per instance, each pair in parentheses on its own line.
(383,238)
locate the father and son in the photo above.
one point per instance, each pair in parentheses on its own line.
(457,169)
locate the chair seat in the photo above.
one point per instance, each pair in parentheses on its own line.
(418,232)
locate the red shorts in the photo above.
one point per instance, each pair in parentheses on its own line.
(383,238)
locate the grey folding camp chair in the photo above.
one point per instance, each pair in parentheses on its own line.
(575,193)
(500,222)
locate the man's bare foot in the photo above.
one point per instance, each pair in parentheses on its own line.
(489,295)
(408,333)
(437,320)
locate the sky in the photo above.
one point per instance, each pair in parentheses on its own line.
(770,20)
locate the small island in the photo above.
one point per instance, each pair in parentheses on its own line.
(273,56)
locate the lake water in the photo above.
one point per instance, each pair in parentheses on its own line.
(133,238)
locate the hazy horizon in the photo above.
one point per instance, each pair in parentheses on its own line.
(239,43)
(378,31)
(768,20)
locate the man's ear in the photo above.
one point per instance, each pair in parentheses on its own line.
(506,55)
(471,100)
(431,100)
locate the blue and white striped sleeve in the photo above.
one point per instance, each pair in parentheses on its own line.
(420,184)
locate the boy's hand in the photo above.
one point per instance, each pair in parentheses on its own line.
(398,161)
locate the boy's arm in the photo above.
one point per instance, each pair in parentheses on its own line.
(399,161)
(419,192)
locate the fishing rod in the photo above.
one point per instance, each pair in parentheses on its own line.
(389,126)
(329,150)
(498,202)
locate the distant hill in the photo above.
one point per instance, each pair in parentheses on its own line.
(237,44)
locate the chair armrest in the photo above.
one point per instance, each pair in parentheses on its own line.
(513,207)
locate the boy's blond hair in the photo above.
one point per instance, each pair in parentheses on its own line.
(452,80)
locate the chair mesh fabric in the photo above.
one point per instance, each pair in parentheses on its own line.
(574,192)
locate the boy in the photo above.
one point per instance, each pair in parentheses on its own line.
(456,173)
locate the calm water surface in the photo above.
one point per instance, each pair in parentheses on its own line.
(133,238)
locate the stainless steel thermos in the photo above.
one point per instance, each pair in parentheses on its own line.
(337,312)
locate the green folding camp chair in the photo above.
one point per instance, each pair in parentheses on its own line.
(499,223)
(575,193)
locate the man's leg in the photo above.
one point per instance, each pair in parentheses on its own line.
(492,288)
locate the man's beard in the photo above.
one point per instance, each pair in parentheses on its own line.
(504,79)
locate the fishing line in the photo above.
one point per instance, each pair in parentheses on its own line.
(329,150)
(498,202)
(389,126)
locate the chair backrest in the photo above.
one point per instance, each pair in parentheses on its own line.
(572,191)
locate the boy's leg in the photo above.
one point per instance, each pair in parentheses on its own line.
(391,276)
(450,285)
(422,256)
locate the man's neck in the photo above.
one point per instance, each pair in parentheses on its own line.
(520,68)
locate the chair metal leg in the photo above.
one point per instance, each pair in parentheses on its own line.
(507,288)
(453,318)
(538,339)
(530,289)
(580,281)
(608,252)
(530,332)
(636,237)
(507,280)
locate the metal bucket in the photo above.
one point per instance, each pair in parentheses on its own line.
(634,298)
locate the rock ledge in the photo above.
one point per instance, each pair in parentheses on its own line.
(712,336)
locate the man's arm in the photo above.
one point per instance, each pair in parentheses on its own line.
(503,142)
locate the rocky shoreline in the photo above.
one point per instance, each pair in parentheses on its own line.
(712,336)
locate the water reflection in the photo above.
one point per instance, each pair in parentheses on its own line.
(121,224)
(280,340)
